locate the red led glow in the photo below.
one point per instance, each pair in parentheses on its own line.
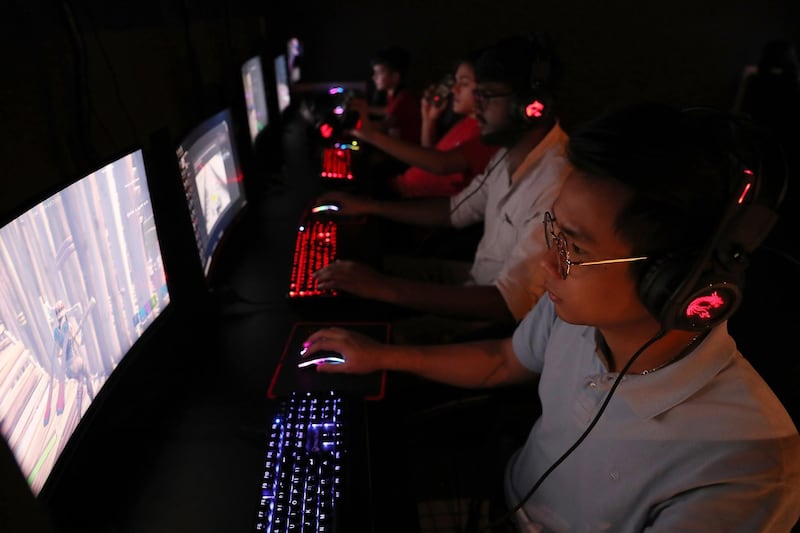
(326,131)
(702,306)
(534,109)
(745,191)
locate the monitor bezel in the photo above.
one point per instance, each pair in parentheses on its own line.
(265,82)
(51,487)
(216,243)
(281,60)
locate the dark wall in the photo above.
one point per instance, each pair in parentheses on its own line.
(684,51)
(84,81)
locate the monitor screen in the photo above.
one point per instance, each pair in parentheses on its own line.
(255,97)
(212,181)
(81,279)
(294,57)
(282,83)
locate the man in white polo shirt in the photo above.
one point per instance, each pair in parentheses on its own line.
(651,419)
(515,110)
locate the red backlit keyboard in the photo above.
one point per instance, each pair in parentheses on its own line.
(314,248)
(336,163)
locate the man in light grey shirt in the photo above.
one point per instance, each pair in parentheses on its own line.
(651,419)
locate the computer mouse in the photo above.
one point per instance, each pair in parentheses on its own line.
(325,208)
(320,357)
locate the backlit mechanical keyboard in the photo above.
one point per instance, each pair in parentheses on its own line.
(304,467)
(337,163)
(315,247)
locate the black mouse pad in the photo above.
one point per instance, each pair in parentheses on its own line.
(288,378)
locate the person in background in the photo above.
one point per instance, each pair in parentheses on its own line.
(441,165)
(399,115)
(519,184)
(652,420)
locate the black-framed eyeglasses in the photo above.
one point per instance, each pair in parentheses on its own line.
(564,262)
(482,96)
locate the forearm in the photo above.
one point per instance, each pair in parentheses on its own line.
(424,157)
(480,364)
(429,134)
(430,212)
(456,301)
(377,111)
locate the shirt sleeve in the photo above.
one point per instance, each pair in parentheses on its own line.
(464,137)
(521,280)
(755,492)
(532,335)
(469,205)
(404,112)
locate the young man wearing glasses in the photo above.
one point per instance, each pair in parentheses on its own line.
(652,420)
(509,198)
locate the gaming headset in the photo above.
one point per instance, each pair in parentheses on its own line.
(534,105)
(696,290)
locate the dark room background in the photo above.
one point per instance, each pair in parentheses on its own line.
(85,80)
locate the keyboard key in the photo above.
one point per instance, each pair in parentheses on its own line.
(304,463)
(315,248)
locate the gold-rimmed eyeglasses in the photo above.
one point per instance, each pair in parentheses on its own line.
(564,262)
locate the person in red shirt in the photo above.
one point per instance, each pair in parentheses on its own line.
(400,116)
(438,166)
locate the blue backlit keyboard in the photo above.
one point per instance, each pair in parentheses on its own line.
(305,464)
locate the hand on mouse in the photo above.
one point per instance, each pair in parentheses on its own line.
(319,358)
(361,353)
(348,204)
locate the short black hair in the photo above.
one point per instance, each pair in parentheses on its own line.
(469,58)
(680,166)
(520,61)
(396,58)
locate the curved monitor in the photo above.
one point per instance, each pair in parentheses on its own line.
(255,96)
(212,181)
(294,58)
(81,280)
(282,89)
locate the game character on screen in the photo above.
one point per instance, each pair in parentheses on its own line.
(68,355)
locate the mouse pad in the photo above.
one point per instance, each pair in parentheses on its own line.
(288,378)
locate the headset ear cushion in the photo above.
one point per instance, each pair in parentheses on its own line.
(711,299)
(533,107)
(660,281)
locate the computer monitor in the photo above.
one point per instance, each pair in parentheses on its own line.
(255,96)
(294,57)
(81,281)
(282,83)
(212,180)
